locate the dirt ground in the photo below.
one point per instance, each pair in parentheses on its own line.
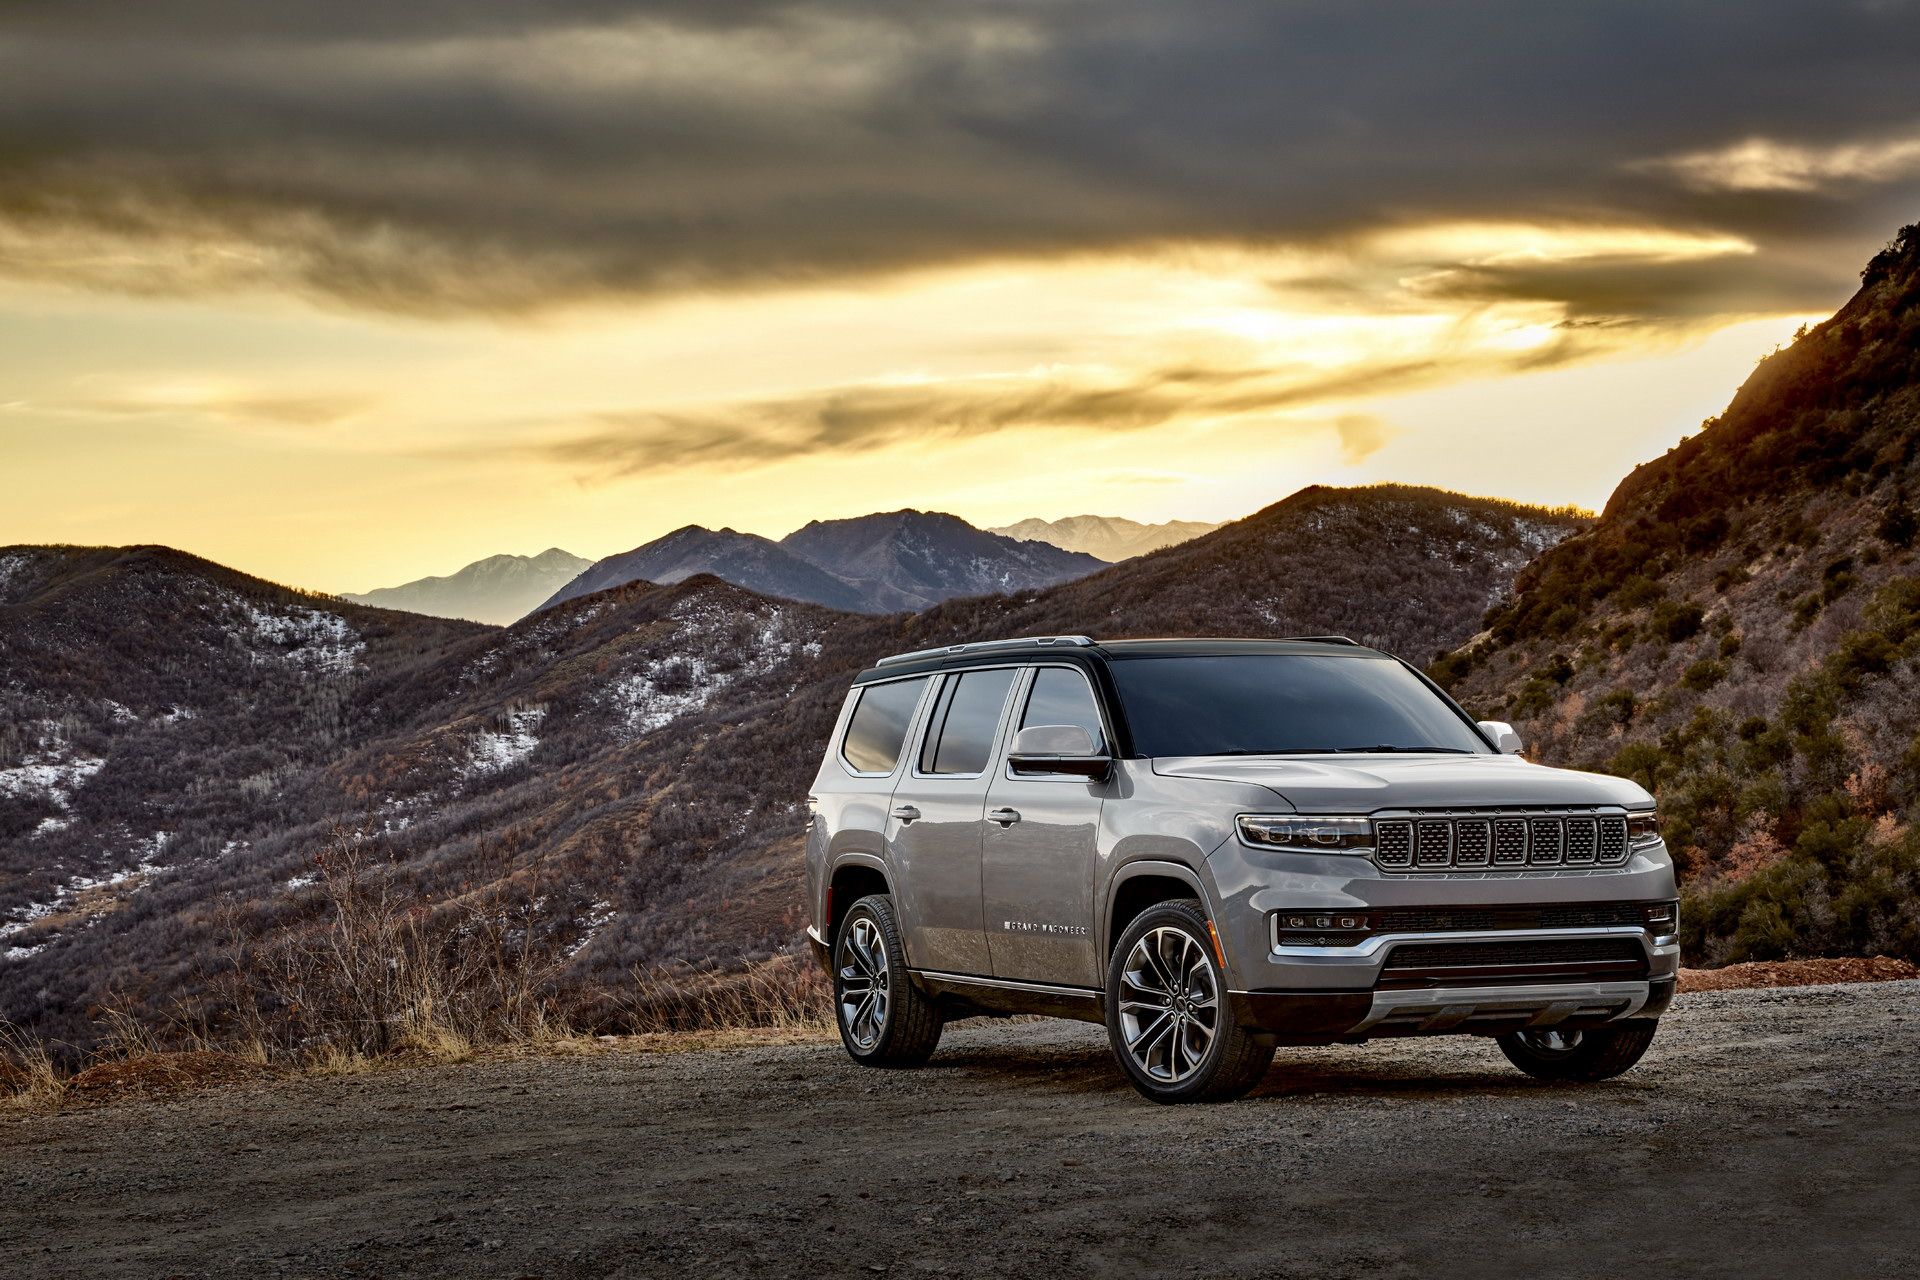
(1769,1133)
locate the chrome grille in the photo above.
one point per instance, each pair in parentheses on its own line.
(1393,845)
(1433,844)
(1500,841)
(1544,842)
(1583,841)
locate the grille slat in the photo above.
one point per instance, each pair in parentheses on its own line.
(1500,841)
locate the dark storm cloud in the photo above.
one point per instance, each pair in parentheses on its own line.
(501,155)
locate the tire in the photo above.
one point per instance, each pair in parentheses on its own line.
(1599,1053)
(1165,960)
(884,1020)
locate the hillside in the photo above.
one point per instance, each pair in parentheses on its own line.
(628,769)
(1109,538)
(1740,630)
(497,590)
(884,563)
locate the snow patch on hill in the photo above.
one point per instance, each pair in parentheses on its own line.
(681,682)
(496,750)
(319,641)
(68,895)
(49,776)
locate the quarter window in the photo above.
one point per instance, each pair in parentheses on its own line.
(878,728)
(1061,696)
(960,739)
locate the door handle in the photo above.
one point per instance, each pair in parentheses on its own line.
(905,812)
(1005,817)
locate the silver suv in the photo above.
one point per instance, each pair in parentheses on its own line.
(1220,846)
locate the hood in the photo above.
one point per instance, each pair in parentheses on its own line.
(1362,784)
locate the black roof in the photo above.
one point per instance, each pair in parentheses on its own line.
(1082,650)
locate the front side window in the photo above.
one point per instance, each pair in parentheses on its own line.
(1061,696)
(960,735)
(1284,704)
(878,727)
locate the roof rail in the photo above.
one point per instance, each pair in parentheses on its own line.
(985,646)
(1326,640)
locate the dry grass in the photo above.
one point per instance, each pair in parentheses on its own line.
(788,993)
(30,1080)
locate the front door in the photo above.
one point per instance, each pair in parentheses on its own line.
(933,829)
(1040,847)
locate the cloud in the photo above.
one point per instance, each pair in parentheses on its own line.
(1361,436)
(865,417)
(505,157)
(301,411)
(1762,164)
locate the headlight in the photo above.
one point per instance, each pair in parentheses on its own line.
(1643,829)
(1307,835)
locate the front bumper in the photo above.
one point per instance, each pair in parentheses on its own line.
(1330,1017)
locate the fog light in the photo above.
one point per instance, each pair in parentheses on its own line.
(1662,917)
(1322,921)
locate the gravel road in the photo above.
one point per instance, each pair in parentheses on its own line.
(1768,1133)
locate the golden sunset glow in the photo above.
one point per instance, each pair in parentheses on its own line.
(471,282)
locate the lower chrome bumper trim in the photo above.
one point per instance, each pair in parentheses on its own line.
(1457,1008)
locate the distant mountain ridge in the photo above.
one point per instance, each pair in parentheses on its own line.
(1109,538)
(744,559)
(888,562)
(498,590)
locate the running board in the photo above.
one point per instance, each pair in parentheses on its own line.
(1008,995)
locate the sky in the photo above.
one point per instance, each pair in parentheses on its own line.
(344,295)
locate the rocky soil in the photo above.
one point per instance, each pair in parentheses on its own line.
(1769,1132)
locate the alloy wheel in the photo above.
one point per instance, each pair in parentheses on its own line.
(1169,1004)
(863,981)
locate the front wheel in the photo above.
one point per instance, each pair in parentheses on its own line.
(885,1021)
(1168,1016)
(1599,1053)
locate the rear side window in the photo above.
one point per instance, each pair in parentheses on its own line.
(960,738)
(878,728)
(1061,696)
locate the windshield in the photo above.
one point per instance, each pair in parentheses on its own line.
(1291,704)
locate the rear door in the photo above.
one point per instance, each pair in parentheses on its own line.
(933,828)
(1040,845)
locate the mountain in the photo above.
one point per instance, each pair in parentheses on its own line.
(499,589)
(908,560)
(1109,538)
(901,560)
(1740,630)
(744,559)
(154,708)
(633,764)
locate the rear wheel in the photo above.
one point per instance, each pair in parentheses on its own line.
(1168,1016)
(884,1020)
(1599,1053)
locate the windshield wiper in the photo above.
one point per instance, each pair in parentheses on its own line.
(1383,749)
(1335,751)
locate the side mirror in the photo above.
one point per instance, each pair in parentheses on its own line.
(1503,736)
(1059,748)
